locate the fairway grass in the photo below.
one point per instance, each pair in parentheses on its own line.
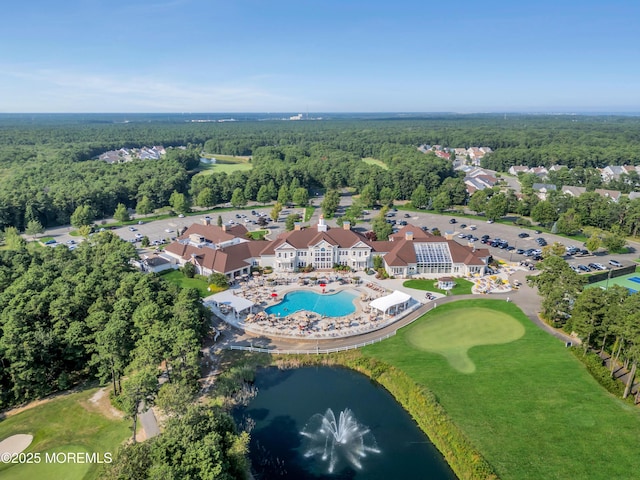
(530,407)
(376,162)
(67,424)
(453,333)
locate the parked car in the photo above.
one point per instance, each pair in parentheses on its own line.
(140,222)
(181,215)
(615,263)
(523,235)
(575,268)
(50,242)
(584,268)
(485,237)
(406,215)
(520,251)
(463,225)
(462,235)
(453,220)
(132,229)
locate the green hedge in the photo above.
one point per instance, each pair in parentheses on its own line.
(601,373)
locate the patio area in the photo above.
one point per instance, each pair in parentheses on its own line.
(259,293)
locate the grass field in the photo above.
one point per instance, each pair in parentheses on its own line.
(530,407)
(258,234)
(67,424)
(376,162)
(176,276)
(225,163)
(463,287)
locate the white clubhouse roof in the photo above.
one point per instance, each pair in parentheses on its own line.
(228,298)
(384,303)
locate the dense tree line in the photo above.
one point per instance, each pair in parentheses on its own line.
(70,316)
(202,442)
(47,169)
(605,320)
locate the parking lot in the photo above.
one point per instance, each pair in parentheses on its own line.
(514,240)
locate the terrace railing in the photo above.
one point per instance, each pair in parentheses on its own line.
(314,351)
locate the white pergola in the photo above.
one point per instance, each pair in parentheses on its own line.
(237,303)
(392,303)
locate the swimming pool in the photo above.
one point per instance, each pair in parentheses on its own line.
(330,305)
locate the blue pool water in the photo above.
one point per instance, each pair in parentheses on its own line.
(330,305)
(635,279)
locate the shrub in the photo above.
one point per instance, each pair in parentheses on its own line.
(188,270)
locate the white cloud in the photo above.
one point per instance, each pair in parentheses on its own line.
(65,90)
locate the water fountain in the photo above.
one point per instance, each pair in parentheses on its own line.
(336,441)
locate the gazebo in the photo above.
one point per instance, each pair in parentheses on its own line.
(236,303)
(446,283)
(392,304)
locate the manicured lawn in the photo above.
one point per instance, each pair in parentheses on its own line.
(225,163)
(529,406)
(66,424)
(463,287)
(376,162)
(308,212)
(176,276)
(258,234)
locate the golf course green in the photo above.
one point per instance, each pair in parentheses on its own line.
(454,332)
(520,397)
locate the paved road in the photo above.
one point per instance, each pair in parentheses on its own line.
(149,424)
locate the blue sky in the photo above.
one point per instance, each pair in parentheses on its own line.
(319,56)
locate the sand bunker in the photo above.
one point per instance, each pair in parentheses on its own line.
(15,443)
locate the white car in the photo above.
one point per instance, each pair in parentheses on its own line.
(615,263)
(168,230)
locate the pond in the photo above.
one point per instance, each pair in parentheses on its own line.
(334,423)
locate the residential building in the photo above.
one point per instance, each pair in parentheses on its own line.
(610,194)
(573,191)
(542,189)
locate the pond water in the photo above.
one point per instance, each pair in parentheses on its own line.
(295,436)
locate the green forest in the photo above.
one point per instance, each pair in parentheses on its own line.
(70,317)
(48,168)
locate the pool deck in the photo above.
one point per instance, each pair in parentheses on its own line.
(308,325)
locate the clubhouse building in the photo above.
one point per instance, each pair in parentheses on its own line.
(408,253)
